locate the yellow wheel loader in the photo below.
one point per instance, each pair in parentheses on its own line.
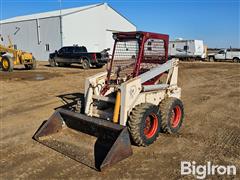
(135,100)
(18,57)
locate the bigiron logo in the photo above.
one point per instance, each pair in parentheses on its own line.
(209,169)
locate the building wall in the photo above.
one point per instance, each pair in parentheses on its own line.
(28,37)
(23,34)
(49,34)
(115,22)
(84,28)
(91,27)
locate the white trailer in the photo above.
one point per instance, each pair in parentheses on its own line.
(187,49)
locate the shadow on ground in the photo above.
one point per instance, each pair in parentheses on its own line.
(72,101)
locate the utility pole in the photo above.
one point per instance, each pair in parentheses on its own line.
(60,5)
(60,17)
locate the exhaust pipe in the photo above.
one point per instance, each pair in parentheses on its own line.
(94,142)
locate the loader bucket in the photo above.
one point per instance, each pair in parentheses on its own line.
(94,142)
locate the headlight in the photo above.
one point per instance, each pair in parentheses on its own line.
(115,36)
(138,36)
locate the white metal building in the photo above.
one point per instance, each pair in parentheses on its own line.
(90,26)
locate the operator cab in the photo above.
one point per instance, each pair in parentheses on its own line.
(135,53)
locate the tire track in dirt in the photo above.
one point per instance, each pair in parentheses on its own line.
(226,143)
(27,109)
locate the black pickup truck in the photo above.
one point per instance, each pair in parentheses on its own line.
(78,54)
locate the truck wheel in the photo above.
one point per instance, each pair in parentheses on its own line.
(172,115)
(52,62)
(211,59)
(34,64)
(67,64)
(85,64)
(31,66)
(99,65)
(144,124)
(236,60)
(61,64)
(7,63)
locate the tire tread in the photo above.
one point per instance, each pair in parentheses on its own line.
(165,105)
(134,123)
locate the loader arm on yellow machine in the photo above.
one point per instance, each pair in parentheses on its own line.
(18,57)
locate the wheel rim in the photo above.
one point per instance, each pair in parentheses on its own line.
(176,116)
(151,125)
(52,62)
(85,65)
(5,64)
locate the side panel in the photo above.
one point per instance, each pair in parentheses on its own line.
(114,22)
(34,35)
(186,48)
(85,28)
(199,48)
(176,48)
(191,51)
(220,56)
(92,28)
(232,54)
(23,35)
(50,36)
(130,91)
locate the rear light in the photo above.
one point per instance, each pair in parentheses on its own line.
(94,56)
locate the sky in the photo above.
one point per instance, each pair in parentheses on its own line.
(217,22)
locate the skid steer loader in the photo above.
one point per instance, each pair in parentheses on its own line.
(135,100)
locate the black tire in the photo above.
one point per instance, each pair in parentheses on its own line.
(172,115)
(142,135)
(31,66)
(7,63)
(211,59)
(34,64)
(85,64)
(99,65)
(61,64)
(52,62)
(236,60)
(67,64)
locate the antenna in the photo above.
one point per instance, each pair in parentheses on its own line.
(60,17)
(60,6)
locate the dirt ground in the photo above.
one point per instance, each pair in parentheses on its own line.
(211,130)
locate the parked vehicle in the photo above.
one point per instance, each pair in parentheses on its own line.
(187,49)
(131,102)
(225,54)
(105,54)
(18,57)
(78,54)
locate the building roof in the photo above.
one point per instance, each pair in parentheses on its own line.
(49,14)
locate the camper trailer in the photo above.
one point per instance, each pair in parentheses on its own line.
(187,49)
